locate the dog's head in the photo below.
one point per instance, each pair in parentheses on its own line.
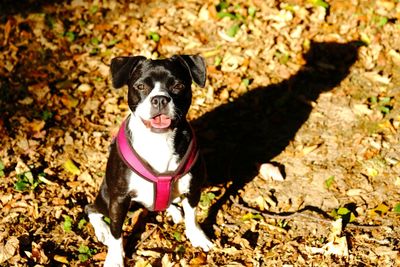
(159,91)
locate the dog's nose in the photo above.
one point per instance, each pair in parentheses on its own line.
(160,101)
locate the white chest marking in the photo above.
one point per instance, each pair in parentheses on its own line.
(157,149)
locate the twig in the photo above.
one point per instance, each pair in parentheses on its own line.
(155,226)
(300,214)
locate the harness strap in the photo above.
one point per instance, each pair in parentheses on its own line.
(162,182)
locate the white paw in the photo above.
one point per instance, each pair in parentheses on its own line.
(115,253)
(199,239)
(114,261)
(101,229)
(102,234)
(175,213)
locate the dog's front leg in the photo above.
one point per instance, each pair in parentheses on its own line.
(118,209)
(193,231)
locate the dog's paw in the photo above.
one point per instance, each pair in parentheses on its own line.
(175,213)
(101,229)
(113,260)
(115,253)
(102,234)
(199,239)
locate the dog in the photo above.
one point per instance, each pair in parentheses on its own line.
(154,159)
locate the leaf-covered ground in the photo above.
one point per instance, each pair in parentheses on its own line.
(304,89)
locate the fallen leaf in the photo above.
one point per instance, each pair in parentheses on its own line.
(26,101)
(8,249)
(62,259)
(166,262)
(268,170)
(308,149)
(148,253)
(355,192)
(376,77)
(396,208)
(336,245)
(36,125)
(199,260)
(100,256)
(380,210)
(70,166)
(84,88)
(69,101)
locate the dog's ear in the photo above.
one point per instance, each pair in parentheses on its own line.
(121,68)
(197,68)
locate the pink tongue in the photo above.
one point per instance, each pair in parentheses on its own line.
(160,122)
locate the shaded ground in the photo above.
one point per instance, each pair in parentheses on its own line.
(309,86)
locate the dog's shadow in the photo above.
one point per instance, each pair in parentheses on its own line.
(237,136)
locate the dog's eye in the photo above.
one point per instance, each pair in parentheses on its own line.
(140,86)
(178,87)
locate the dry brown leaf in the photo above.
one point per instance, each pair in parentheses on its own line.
(377,78)
(199,260)
(100,256)
(8,249)
(148,253)
(62,259)
(268,171)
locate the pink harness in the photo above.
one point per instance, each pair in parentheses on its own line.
(162,181)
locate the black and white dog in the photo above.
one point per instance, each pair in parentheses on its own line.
(154,159)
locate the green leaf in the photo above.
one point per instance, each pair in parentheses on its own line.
(283,58)
(373,100)
(50,21)
(381,21)
(206,199)
(70,36)
(180,249)
(21,185)
(107,220)
(222,5)
(46,115)
(81,22)
(329,181)
(1,168)
(82,224)
(251,11)
(223,14)
(251,216)
(83,249)
(320,3)
(83,257)
(232,31)
(365,38)
(246,82)
(396,208)
(178,236)
(384,100)
(94,9)
(94,51)
(343,211)
(70,166)
(384,110)
(217,60)
(113,42)
(95,41)
(154,36)
(282,223)
(67,225)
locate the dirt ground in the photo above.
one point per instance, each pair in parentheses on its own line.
(307,91)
